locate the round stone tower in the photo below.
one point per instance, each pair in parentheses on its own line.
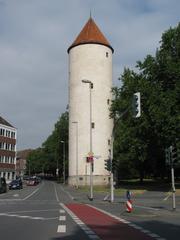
(90,127)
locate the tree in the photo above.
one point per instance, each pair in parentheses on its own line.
(140,143)
(50,156)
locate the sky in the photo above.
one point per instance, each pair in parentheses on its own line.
(35,36)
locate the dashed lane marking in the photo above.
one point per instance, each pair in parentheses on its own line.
(61,229)
(61,211)
(62,218)
(83,226)
(147,232)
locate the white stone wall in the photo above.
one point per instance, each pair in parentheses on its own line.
(89,61)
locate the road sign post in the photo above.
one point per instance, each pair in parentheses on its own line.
(172,178)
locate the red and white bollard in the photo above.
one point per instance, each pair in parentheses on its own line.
(128,202)
(129,206)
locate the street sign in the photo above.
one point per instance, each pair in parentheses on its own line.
(90,159)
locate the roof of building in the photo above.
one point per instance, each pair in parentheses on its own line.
(4,122)
(23,154)
(90,34)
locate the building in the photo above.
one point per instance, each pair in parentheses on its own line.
(90,84)
(21,161)
(8,135)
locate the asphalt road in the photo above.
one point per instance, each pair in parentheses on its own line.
(52,211)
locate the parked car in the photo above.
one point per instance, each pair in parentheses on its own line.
(16,184)
(32,181)
(3,185)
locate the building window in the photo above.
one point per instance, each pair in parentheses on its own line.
(2,131)
(2,145)
(12,134)
(108,101)
(93,125)
(107,54)
(109,142)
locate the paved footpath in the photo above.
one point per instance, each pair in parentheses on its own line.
(106,226)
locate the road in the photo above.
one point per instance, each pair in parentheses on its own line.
(52,211)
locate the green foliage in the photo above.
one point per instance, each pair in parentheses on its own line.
(140,143)
(50,156)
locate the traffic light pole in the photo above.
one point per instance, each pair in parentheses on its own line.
(173,188)
(173,184)
(111,176)
(136,101)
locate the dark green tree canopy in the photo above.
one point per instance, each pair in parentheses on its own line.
(140,143)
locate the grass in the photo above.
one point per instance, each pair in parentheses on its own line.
(135,187)
(106,189)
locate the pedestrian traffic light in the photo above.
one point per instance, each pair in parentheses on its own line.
(136,105)
(107,163)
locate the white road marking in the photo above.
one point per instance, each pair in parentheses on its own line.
(83,226)
(166,198)
(130,224)
(62,218)
(24,216)
(28,196)
(69,195)
(16,195)
(31,211)
(61,211)
(61,228)
(57,198)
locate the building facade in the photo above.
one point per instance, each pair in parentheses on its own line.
(90,127)
(8,135)
(21,162)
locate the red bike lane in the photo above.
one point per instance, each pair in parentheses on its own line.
(105,226)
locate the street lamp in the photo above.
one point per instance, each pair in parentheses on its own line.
(90,124)
(64,176)
(77,182)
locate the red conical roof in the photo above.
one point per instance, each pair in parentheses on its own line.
(90,34)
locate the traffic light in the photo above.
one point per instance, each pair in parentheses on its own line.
(173,154)
(114,165)
(107,163)
(136,104)
(167,156)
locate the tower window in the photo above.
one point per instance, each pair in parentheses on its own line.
(107,54)
(93,125)
(108,101)
(109,142)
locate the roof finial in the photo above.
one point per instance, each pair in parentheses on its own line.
(90,14)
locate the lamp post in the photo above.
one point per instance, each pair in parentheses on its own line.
(64,175)
(90,124)
(77,174)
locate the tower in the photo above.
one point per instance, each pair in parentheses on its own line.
(90,127)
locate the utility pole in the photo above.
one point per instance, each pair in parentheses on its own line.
(90,133)
(170,157)
(64,167)
(77,172)
(172,178)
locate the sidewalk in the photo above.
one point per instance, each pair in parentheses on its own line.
(150,207)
